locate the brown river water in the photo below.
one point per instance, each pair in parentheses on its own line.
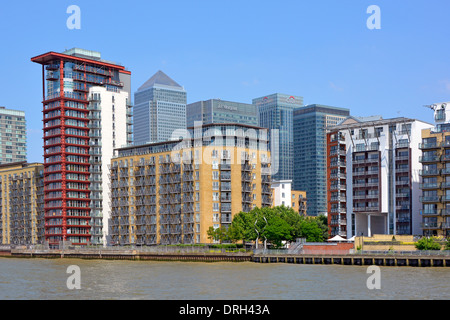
(41,279)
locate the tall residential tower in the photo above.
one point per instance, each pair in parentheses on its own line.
(71,136)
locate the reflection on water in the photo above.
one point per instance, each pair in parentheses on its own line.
(40,279)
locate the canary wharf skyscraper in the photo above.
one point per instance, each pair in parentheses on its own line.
(310,161)
(159,110)
(276,114)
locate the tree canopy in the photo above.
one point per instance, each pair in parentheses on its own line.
(275,225)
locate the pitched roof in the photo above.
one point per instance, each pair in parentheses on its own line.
(160,78)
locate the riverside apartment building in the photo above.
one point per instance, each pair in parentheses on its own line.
(373,177)
(22,203)
(435,173)
(172,192)
(85,115)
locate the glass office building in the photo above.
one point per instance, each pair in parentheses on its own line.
(276,114)
(310,161)
(13,136)
(159,110)
(220,111)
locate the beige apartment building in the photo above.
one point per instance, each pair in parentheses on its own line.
(22,203)
(172,192)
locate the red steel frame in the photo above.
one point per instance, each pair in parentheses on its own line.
(52,230)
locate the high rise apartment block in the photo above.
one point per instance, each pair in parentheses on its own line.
(110,126)
(71,137)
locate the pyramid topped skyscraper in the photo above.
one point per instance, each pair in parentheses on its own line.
(160,109)
(160,79)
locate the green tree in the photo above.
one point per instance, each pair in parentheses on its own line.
(293,219)
(311,231)
(218,234)
(427,244)
(277,231)
(322,222)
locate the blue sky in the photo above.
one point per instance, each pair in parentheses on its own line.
(240,50)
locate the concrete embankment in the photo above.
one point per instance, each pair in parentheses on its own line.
(132,255)
(311,259)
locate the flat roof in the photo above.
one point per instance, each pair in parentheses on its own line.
(48,57)
(375,123)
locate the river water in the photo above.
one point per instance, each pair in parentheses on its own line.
(41,279)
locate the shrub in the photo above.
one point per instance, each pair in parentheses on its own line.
(427,244)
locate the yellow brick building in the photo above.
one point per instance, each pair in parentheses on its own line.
(299,202)
(173,192)
(22,203)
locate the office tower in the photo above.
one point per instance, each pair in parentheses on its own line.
(285,195)
(13,136)
(220,111)
(310,161)
(160,109)
(67,79)
(22,203)
(276,114)
(109,127)
(435,174)
(374,177)
(173,192)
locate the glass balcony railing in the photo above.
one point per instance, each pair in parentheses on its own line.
(430,158)
(430,145)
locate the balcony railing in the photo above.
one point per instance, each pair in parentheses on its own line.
(430,199)
(434,158)
(432,145)
(427,186)
(431,225)
(431,212)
